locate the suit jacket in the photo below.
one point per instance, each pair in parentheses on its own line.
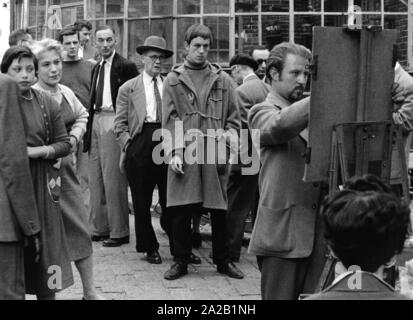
(130,110)
(369,287)
(18,209)
(286,218)
(121,71)
(250,93)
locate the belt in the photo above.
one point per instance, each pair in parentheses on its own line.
(100,110)
(152,124)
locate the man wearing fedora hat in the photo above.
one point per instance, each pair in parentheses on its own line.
(138,115)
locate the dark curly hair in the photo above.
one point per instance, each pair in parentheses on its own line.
(365,228)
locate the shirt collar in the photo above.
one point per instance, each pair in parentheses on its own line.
(148,79)
(109,60)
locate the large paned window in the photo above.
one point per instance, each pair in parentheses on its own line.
(237,25)
(47,17)
(189,7)
(37,18)
(163,27)
(182,25)
(275,29)
(246,33)
(219,51)
(138,31)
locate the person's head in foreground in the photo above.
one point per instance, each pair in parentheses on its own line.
(365,228)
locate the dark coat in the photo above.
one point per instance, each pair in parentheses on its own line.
(18,209)
(121,71)
(286,218)
(201,183)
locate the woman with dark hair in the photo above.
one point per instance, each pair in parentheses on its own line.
(47,141)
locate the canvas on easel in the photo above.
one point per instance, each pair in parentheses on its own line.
(353,74)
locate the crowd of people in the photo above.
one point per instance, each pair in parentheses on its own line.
(82,124)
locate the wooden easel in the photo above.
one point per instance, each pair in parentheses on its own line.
(351,131)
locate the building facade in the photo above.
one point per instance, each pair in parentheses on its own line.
(237,25)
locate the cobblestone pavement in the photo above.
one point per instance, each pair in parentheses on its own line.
(122,273)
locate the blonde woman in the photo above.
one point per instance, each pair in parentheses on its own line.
(75,116)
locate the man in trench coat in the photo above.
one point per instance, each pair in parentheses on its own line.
(200,98)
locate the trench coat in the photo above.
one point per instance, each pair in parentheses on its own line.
(201,183)
(287,212)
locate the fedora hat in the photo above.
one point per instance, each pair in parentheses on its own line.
(154,43)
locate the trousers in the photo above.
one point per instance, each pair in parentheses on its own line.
(242,196)
(108,186)
(143,175)
(180,235)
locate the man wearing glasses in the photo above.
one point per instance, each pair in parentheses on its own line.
(260,55)
(109,217)
(138,115)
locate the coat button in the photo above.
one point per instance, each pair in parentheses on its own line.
(314,206)
(315,184)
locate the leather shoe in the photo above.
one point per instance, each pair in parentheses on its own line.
(176,271)
(193,259)
(154,258)
(115,242)
(231,270)
(99,238)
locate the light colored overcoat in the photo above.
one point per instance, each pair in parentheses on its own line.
(286,218)
(130,111)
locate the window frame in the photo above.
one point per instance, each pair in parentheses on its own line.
(291,13)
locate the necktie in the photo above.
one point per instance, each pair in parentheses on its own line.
(99,89)
(158,101)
